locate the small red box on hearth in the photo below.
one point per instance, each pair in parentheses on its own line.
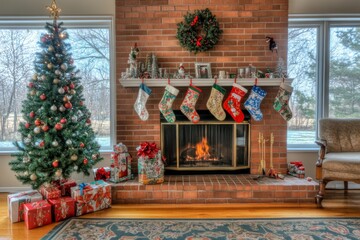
(62,208)
(50,192)
(37,214)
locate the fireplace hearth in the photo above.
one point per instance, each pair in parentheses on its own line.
(206,146)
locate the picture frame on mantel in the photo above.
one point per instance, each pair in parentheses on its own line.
(203,70)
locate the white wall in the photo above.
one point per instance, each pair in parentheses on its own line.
(324,6)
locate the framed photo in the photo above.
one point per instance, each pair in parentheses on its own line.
(203,70)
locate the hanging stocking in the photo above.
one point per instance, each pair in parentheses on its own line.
(281,103)
(253,102)
(166,102)
(232,103)
(188,105)
(214,103)
(139,106)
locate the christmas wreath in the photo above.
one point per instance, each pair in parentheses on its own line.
(199,31)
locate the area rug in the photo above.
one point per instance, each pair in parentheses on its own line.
(206,229)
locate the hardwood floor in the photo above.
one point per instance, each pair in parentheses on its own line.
(338,205)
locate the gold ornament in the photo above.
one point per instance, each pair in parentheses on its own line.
(58,173)
(54,10)
(74,157)
(33,177)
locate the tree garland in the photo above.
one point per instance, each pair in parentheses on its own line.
(199,31)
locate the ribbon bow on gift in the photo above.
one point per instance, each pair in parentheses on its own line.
(102,174)
(82,187)
(147,149)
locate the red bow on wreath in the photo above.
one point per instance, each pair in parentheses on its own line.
(196,19)
(147,149)
(102,174)
(198,41)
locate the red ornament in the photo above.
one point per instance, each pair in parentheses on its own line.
(66,88)
(27,125)
(42,144)
(37,122)
(63,120)
(88,121)
(68,105)
(45,128)
(43,96)
(85,161)
(55,163)
(31,85)
(58,126)
(32,114)
(72,85)
(82,145)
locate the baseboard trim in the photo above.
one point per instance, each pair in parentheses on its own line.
(14,189)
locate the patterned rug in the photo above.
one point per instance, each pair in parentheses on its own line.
(206,229)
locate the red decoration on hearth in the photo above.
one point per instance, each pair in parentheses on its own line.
(147,149)
(102,174)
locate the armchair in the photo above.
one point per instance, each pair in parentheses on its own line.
(339,154)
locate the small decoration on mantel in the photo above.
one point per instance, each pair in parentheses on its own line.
(199,32)
(272,44)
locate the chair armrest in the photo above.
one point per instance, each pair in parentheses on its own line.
(322,151)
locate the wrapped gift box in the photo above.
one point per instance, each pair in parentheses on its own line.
(37,214)
(50,191)
(64,186)
(62,208)
(91,197)
(16,204)
(151,170)
(101,173)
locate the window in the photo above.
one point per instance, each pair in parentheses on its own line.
(323,60)
(91,44)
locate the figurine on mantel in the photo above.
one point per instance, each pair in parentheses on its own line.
(181,71)
(132,61)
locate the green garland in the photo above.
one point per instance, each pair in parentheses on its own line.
(199,31)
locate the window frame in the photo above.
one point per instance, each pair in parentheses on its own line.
(324,24)
(71,22)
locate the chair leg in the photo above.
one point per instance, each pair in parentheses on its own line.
(346,187)
(319,197)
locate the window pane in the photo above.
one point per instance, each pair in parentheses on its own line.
(302,67)
(90,50)
(344,76)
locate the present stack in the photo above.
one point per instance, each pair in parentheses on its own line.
(16,204)
(120,167)
(296,169)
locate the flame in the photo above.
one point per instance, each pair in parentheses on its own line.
(202,149)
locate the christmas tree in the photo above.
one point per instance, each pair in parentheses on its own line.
(56,134)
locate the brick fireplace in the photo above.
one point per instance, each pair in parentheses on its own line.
(246,23)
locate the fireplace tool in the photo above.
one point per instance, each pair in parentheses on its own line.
(272,172)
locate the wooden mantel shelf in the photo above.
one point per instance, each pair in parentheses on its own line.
(135,82)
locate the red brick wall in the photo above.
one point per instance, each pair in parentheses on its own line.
(152,24)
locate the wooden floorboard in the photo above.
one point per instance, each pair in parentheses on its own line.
(336,204)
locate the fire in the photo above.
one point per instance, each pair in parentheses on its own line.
(202,149)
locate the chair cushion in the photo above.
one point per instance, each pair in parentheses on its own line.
(344,164)
(341,135)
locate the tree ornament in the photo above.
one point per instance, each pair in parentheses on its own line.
(43,96)
(82,145)
(37,130)
(42,144)
(45,128)
(85,161)
(61,91)
(55,143)
(51,48)
(43,77)
(94,156)
(27,125)
(72,92)
(68,105)
(199,31)
(68,142)
(49,66)
(57,72)
(64,66)
(88,121)
(71,85)
(31,85)
(35,76)
(63,120)
(53,108)
(33,92)
(65,99)
(26,159)
(56,81)
(32,114)
(74,157)
(63,35)
(33,177)
(62,108)
(74,118)
(58,126)
(37,122)
(66,88)
(58,173)
(55,163)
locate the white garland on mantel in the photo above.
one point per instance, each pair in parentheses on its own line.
(135,82)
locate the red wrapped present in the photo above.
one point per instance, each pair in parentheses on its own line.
(62,208)
(16,204)
(91,197)
(50,191)
(101,173)
(37,214)
(65,186)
